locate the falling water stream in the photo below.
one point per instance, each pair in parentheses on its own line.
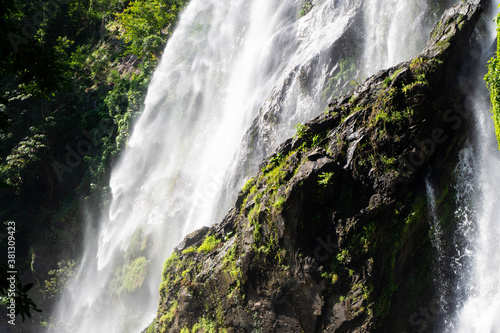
(436,232)
(479,296)
(234,79)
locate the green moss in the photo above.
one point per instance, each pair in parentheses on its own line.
(257,234)
(407,88)
(280,201)
(177,269)
(190,249)
(248,185)
(268,199)
(253,214)
(170,261)
(208,244)
(205,325)
(151,328)
(167,317)
(417,66)
(388,80)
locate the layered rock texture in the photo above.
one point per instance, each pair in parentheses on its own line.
(333,234)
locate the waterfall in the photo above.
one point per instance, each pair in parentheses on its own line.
(436,232)
(478,262)
(387,36)
(465,215)
(234,79)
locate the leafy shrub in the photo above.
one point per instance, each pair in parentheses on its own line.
(492,79)
(145,25)
(59,278)
(130,276)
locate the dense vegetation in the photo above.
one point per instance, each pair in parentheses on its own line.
(73,77)
(493,81)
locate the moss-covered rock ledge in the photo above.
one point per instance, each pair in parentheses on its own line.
(332,234)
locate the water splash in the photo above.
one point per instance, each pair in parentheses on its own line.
(440,261)
(478,265)
(436,232)
(234,79)
(478,298)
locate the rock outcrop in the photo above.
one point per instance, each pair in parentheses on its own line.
(333,234)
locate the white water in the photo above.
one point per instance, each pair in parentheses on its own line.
(228,64)
(385,19)
(465,215)
(479,302)
(436,236)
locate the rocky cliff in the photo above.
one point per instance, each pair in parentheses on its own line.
(333,233)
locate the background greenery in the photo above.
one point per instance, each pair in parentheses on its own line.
(493,82)
(73,77)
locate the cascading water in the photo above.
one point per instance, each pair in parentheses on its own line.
(465,215)
(386,37)
(436,235)
(231,67)
(434,219)
(479,299)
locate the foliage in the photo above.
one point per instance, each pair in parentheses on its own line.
(24,304)
(130,276)
(22,163)
(346,69)
(85,64)
(137,245)
(492,79)
(324,178)
(59,278)
(301,130)
(145,25)
(306,8)
(388,161)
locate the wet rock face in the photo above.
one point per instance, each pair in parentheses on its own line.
(191,239)
(332,233)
